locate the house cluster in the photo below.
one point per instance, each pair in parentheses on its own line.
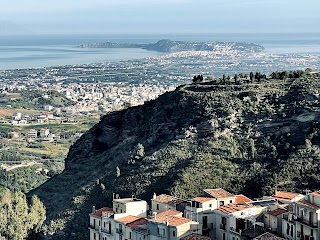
(42,135)
(18,118)
(216,214)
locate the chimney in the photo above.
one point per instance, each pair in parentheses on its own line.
(93,209)
(113,195)
(154,196)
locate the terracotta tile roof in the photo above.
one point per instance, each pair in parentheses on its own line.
(98,213)
(308,205)
(202,199)
(163,216)
(285,195)
(218,193)
(278,211)
(231,208)
(269,236)
(138,222)
(164,198)
(242,199)
(316,193)
(177,221)
(171,217)
(127,219)
(194,236)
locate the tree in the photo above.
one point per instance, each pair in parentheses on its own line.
(18,219)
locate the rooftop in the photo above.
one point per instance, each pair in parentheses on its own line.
(232,208)
(128,219)
(171,218)
(278,211)
(242,199)
(98,213)
(194,236)
(218,193)
(316,193)
(127,200)
(285,195)
(164,215)
(138,222)
(308,205)
(164,198)
(202,199)
(269,236)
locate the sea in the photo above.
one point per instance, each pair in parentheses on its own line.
(36,51)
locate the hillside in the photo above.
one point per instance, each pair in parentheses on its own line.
(244,137)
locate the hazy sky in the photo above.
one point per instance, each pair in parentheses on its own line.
(159,16)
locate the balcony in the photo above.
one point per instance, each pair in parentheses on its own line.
(160,235)
(105,231)
(119,231)
(223,226)
(308,223)
(234,230)
(291,219)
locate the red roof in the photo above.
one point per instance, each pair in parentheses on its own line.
(164,215)
(278,211)
(171,217)
(218,193)
(194,236)
(285,195)
(98,213)
(127,219)
(308,205)
(138,222)
(269,236)
(316,193)
(164,198)
(231,208)
(202,199)
(242,199)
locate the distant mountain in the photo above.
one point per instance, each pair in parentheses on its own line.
(245,136)
(168,46)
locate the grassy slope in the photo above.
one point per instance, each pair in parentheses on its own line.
(260,131)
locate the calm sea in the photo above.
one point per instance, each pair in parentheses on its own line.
(53,50)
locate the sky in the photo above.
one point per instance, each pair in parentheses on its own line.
(159,16)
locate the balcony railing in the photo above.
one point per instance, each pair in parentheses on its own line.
(120,231)
(234,230)
(107,231)
(223,226)
(311,224)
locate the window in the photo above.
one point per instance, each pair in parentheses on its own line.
(173,233)
(94,236)
(157,206)
(230,201)
(104,224)
(130,236)
(221,203)
(233,238)
(224,236)
(210,205)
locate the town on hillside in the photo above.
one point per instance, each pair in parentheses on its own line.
(214,215)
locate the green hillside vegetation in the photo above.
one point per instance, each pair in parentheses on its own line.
(244,134)
(34,99)
(19,218)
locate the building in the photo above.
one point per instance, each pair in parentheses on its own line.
(170,225)
(98,227)
(232,219)
(165,202)
(130,206)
